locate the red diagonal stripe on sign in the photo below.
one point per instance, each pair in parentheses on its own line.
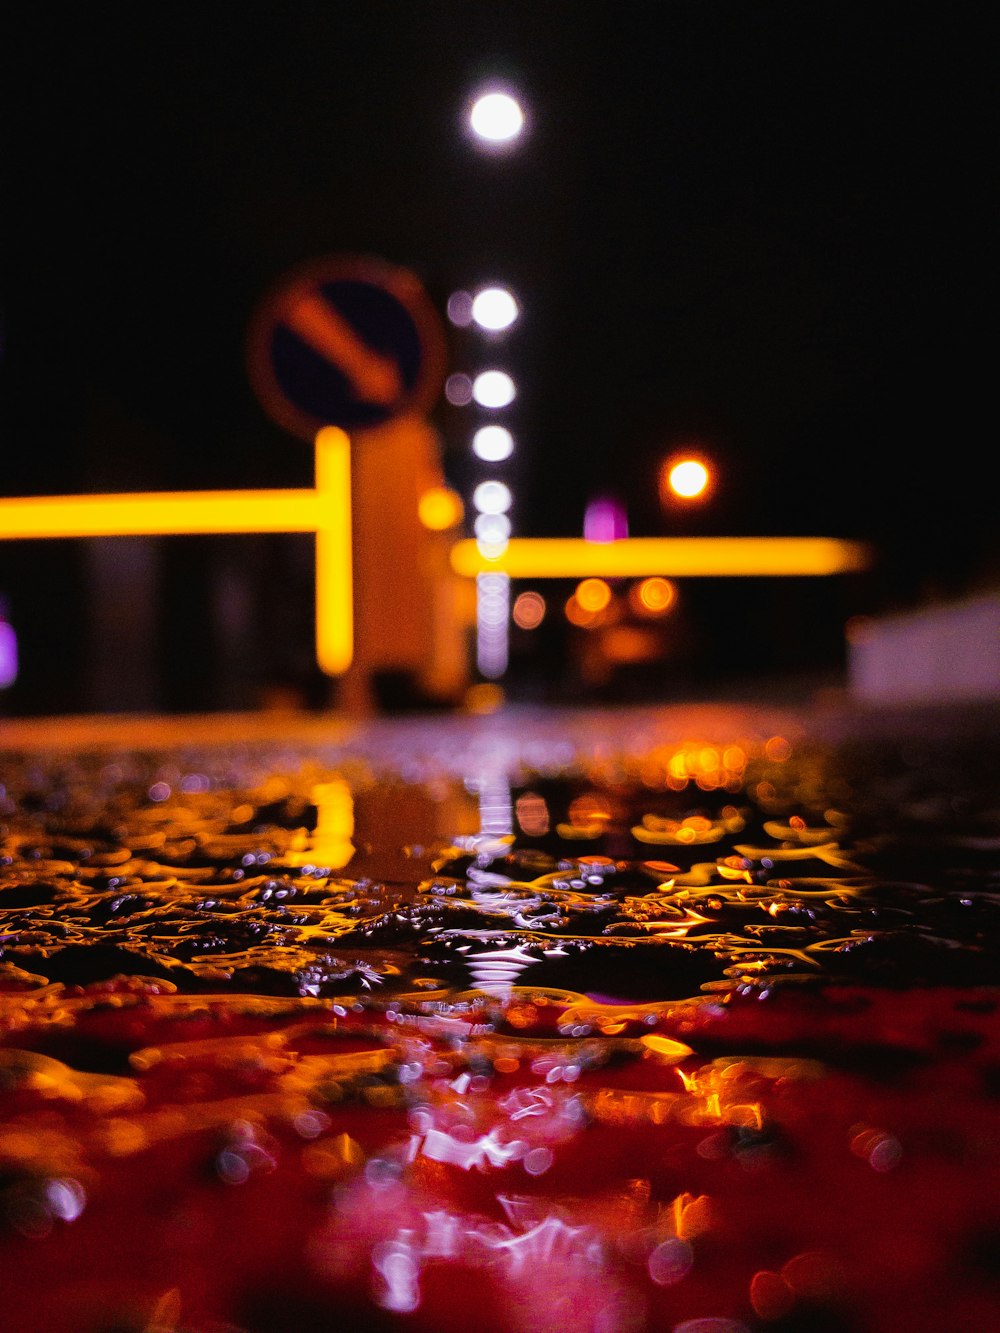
(373,377)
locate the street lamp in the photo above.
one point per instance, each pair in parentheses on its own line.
(494,309)
(496,118)
(493,443)
(493,388)
(684,477)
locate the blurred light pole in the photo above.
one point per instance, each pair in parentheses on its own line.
(497,122)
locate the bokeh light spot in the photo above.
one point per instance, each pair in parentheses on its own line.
(493,443)
(605,520)
(493,388)
(653,596)
(460,309)
(579,615)
(684,478)
(529,610)
(494,308)
(778,749)
(492,497)
(440,508)
(492,528)
(484,697)
(496,117)
(593,594)
(458,390)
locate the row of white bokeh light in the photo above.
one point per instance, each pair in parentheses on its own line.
(496,121)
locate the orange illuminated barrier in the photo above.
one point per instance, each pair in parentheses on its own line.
(325,511)
(679,557)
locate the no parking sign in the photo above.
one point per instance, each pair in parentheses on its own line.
(346,341)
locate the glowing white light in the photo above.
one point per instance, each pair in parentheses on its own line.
(689,478)
(397,1264)
(491,550)
(439,1146)
(494,308)
(460,309)
(496,807)
(492,624)
(492,527)
(496,117)
(492,443)
(495,973)
(492,497)
(493,388)
(66,1198)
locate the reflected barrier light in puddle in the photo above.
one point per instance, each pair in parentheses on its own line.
(505,1050)
(331,841)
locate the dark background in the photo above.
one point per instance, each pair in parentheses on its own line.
(763,229)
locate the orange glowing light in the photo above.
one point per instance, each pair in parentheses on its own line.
(440,508)
(678,557)
(532,814)
(334,561)
(152,513)
(684,478)
(665,1048)
(627,643)
(777,749)
(653,596)
(590,808)
(692,1215)
(593,595)
(689,1080)
(484,698)
(734,758)
(579,615)
(529,610)
(331,843)
(325,511)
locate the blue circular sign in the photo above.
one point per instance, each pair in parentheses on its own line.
(347,342)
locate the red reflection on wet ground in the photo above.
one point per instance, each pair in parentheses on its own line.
(561,1033)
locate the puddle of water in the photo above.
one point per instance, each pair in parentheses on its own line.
(610,1017)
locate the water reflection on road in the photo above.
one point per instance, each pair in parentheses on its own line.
(600,1002)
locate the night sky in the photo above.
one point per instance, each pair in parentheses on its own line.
(758,228)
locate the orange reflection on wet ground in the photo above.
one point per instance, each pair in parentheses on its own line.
(603,1051)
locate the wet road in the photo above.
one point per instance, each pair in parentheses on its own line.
(630,852)
(689,1010)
